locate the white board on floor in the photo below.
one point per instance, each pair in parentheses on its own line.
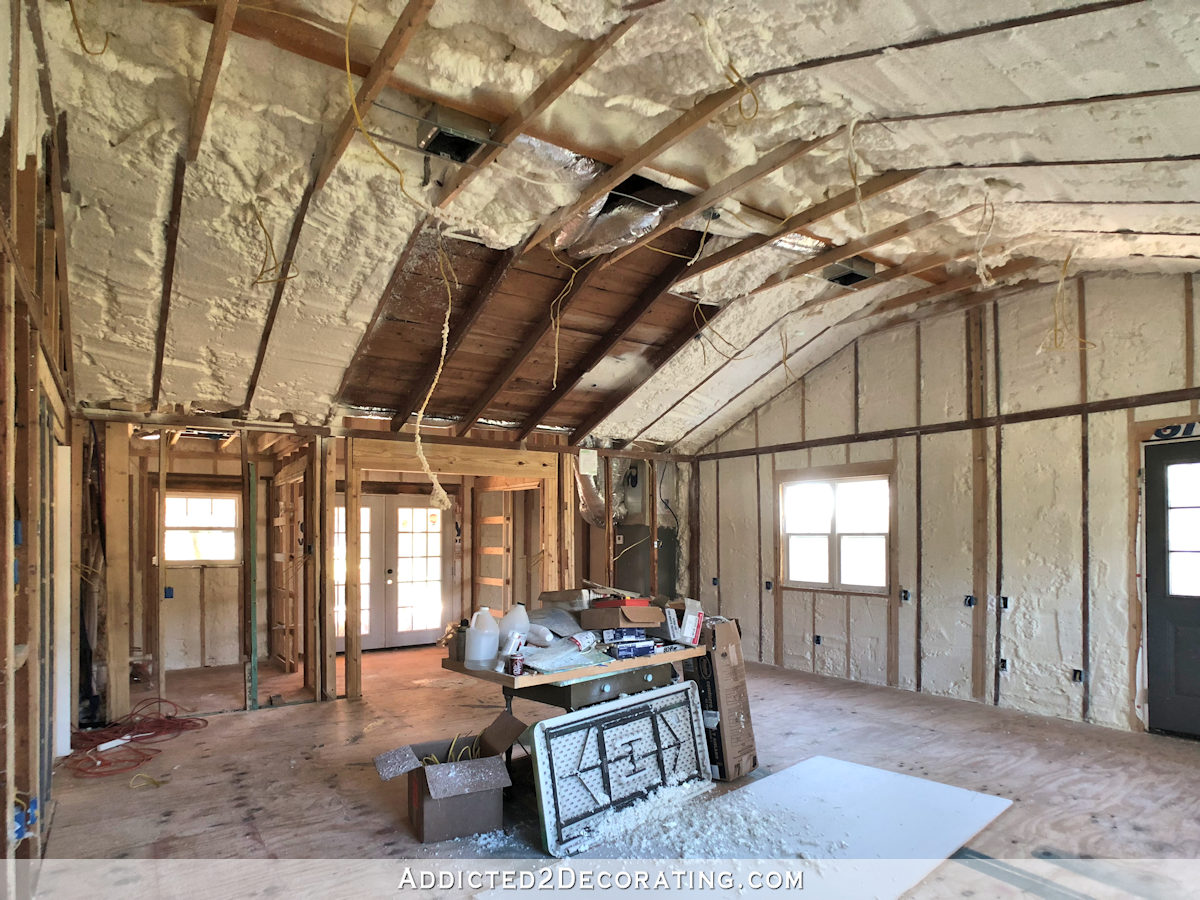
(867,832)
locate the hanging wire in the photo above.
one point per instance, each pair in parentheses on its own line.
(79,34)
(729,70)
(269,272)
(981,238)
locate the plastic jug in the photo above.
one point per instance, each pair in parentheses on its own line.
(483,640)
(516,619)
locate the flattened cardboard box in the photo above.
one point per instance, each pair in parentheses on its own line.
(721,677)
(620,617)
(455,799)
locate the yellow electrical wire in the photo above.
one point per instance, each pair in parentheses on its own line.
(729,70)
(79,34)
(556,306)
(269,274)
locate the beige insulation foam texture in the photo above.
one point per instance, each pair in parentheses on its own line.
(1139,348)
(129,111)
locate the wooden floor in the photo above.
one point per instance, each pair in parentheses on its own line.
(298,781)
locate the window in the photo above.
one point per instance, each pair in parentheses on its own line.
(835,533)
(201,528)
(1183,530)
(419,569)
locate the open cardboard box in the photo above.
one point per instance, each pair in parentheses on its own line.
(455,799)
(621,617)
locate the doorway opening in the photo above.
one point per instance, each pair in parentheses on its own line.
(1173,586)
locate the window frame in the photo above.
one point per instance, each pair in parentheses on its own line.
(190,493)
(879,471)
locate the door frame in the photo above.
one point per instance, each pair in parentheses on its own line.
(362,454)
(1154,582)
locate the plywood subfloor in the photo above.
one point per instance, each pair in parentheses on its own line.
(298,781)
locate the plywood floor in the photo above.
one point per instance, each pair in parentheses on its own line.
(298,781)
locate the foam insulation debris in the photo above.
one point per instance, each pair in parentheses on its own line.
(128,113)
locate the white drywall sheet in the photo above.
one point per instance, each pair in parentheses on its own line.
(845,815)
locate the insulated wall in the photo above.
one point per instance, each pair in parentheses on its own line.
(1013,448)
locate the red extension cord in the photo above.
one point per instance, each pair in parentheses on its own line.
(142,726)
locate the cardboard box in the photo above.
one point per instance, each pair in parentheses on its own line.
(621,617)
(455,799)
(720,676)
(682,623)
(610,602)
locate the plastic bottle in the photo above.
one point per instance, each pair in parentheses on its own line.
(483,640)
(516,619)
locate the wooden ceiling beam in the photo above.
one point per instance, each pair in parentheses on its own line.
(868,189)
(952,36)
(467,319)
(582,278)
(285,265)
(961,283)
(853,248)
(171,231)
(560,81)
(373,326)
(910,268)
(776,159)
(660,359)
(679,129)
(401,35)
(631,316)
(217,41)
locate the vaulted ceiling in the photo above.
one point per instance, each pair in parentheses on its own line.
(632,213)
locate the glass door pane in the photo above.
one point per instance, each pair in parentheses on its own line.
(417,607)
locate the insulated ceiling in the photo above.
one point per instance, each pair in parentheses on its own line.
(960,147)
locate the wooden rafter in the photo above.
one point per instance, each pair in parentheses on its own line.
(680,128)
(776,159)
(631,316)
(568,72)
(961,283)
(413,17)
(851,248)
(373,325)
(171,231)
(960,298)
(467,319)
(285,266)
(539,331)
(877,185)
(910,268)
(660,359)
(57,176)
(222,24)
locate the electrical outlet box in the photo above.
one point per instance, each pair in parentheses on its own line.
(714,582)
(816,639)
(905,595)
(1004,603)
(619,539)
(1077,676)
(768,585)
(1004,665)
(168,593)
(969,600)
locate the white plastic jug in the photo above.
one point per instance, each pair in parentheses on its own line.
(483,640)
(516,619)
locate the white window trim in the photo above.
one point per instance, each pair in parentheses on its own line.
(849,472)
(237,531)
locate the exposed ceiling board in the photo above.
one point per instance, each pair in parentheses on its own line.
(273,112)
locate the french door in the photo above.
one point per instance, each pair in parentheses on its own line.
(405,546)
(1173,585)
